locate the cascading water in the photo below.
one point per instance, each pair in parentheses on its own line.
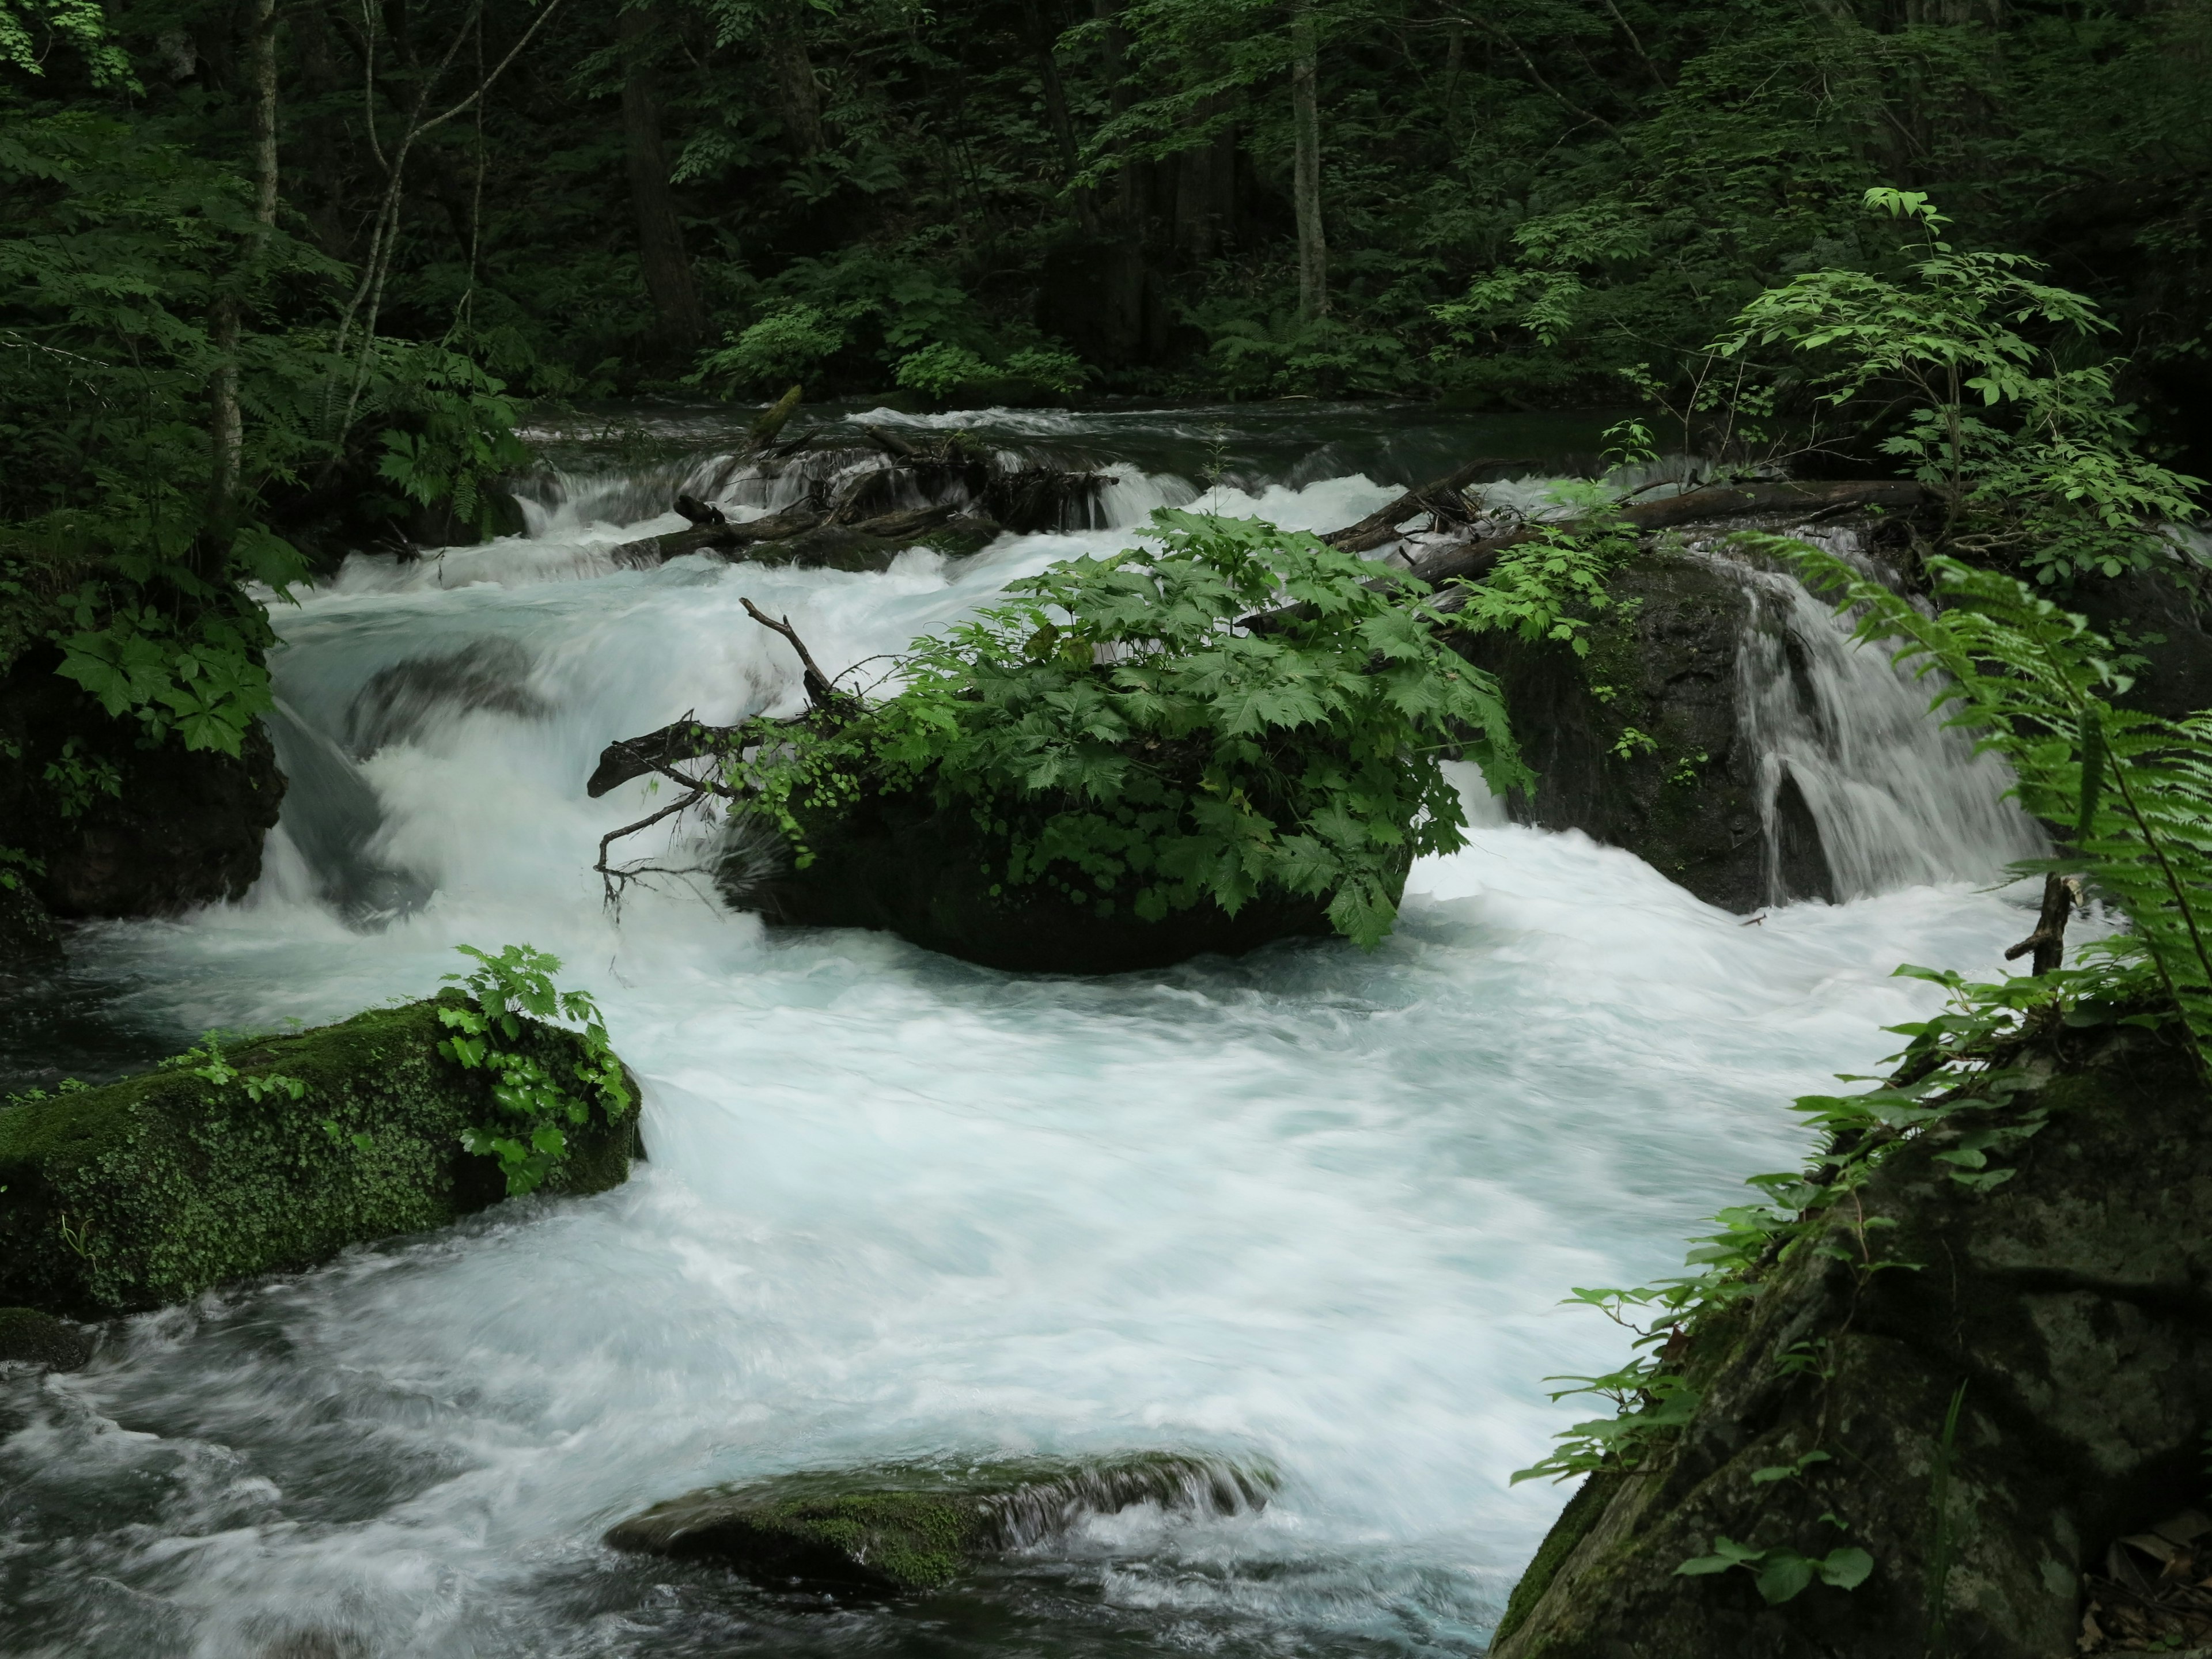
(1897,797)
(1313,1208)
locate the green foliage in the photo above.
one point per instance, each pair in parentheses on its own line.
(76,782)
(1782,1575)
(207,685)
(1551,586)
(205,1059)
(1122,730)
(2039,455)
(784,345)
(458,442)
(487,1036)
(15,864)
(27,29)
(941,369)
(2032,683)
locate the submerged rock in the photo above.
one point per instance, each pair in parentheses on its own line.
(150,1190)
(2068,1303)
(29,1337)
(914,1527)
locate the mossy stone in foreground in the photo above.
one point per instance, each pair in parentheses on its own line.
(914,1527)
(29,1337)
(150,1190)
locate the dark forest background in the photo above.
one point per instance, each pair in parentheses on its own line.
(1518,197)
(266,266)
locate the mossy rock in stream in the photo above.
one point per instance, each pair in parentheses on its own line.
(2068,1302)
(915,1527)
(150,1190)
(903,865)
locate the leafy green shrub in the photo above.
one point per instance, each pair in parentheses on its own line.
(1120,728)
(943,370)
(784,345)
(2038,460)
(518,981)
(1048,368)
(940,370)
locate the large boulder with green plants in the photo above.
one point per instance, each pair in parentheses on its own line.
(1123,765)
(919,1526)
(1923,1414)
(270,1153)
(1945,1389)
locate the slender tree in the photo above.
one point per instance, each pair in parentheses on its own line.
(1305,125)
(680,319)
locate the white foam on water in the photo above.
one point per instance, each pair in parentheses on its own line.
(1314,1205)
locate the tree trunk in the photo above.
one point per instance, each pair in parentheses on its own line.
(794,75)
(1055,105)
(681,320)
(1305,131)
(226,423)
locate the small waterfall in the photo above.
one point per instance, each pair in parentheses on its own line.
(1847,749)
(329,824)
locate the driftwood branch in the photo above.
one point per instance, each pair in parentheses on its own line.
(613,880)
(821,690)
(1465,560)
(2060,896)
(1439,496)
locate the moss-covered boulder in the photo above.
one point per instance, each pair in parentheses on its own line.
(904,864)
(28,1337)
(2069,1302)
(1640,744)
(914,1527)
(150,1190)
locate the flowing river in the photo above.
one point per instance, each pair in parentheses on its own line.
(1314,1207)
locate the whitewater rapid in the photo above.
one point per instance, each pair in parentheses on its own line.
(1314,1205)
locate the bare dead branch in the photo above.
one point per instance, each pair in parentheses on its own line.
(821,690)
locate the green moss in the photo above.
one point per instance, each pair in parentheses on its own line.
(150,1190)
(1574,1524)
(915,1527)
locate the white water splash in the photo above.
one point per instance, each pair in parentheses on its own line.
(1897,798)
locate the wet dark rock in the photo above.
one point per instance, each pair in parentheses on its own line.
(184,830)
(1639,744)
(915,1527)
(28,1337)
(2154,616)
(901,864)
(2070,1302)
(402,700)
(151,1189)
(29,937)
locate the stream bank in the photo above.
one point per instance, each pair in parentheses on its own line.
(2062,1311)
